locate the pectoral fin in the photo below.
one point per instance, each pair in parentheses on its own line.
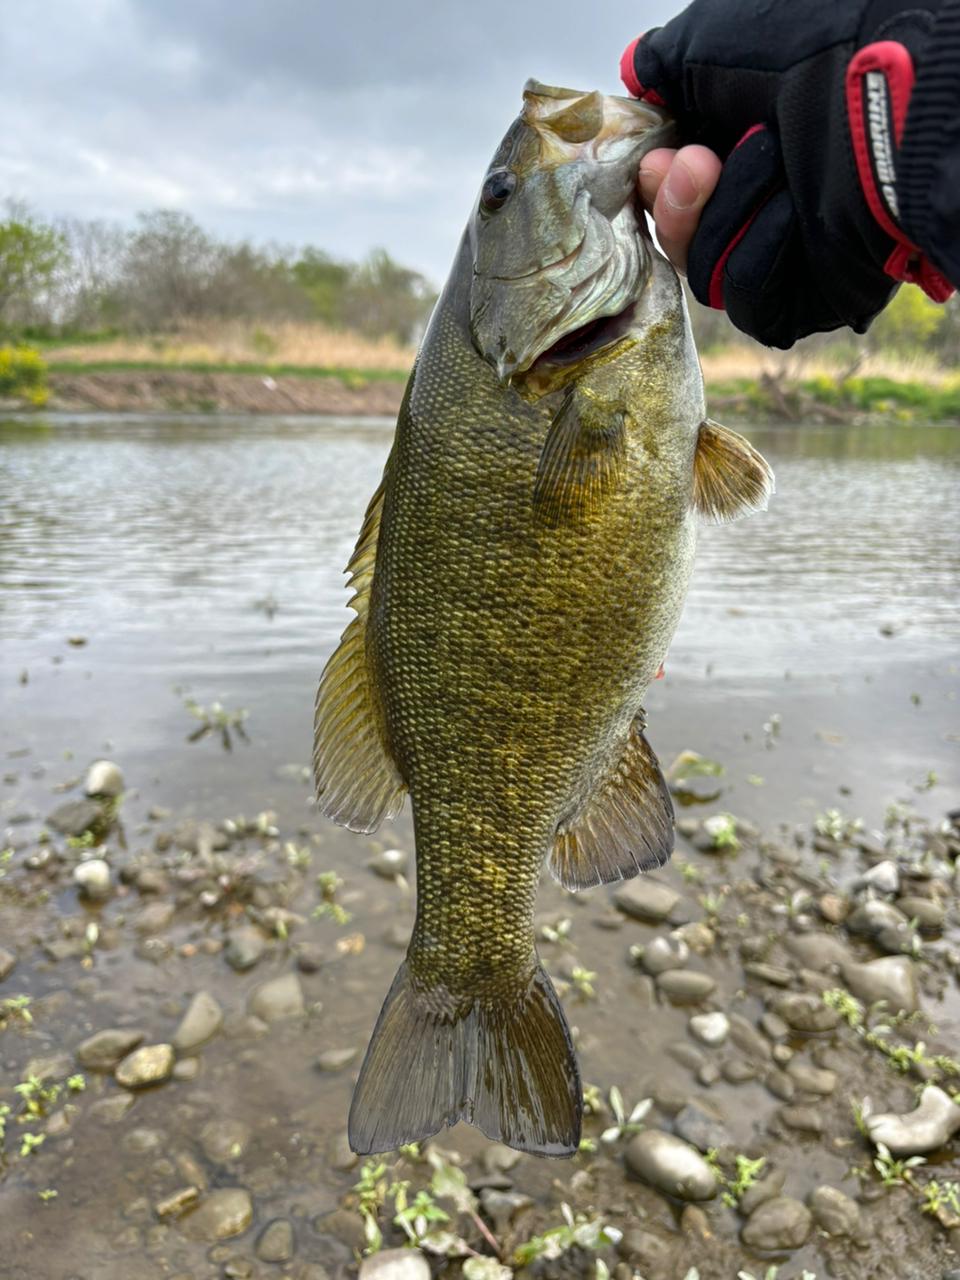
(730,478)
(626,826)
(358,784)
(581,461)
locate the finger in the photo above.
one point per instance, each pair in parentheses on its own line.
(687,186)
(653,169)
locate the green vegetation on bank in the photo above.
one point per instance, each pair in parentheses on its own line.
(23,375)
(349,377)
(800,399)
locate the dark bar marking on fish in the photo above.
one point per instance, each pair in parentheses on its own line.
(358,784)
(505,1065)
(625,827)
(582,461)
(730,478)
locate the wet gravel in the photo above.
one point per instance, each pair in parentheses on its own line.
(181,1032)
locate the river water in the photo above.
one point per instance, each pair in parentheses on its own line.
(203,559)
(149,563)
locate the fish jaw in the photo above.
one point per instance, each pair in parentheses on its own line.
(566,246)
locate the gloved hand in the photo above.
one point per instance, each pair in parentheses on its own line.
(806,106)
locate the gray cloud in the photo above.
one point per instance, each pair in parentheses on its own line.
(342,125)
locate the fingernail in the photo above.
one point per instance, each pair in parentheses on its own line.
(679,189)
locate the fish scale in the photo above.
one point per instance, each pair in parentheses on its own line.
(519,577)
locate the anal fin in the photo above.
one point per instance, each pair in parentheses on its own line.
(505,1064)
(625,828)
(358,784)
(582,459)
(730,477)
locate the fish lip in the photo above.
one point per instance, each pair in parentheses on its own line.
(587,340)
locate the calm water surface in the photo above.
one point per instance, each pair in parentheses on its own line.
(818,659)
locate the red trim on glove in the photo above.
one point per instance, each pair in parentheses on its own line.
(879,82)
(628,74)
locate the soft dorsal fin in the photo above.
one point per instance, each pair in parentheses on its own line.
(625,827)
(582,460)
(358,784)
(730,478)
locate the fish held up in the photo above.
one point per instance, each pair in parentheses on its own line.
(518,579)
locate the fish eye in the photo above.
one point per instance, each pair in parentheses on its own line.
(497,189)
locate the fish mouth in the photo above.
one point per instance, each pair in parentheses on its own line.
(563,360)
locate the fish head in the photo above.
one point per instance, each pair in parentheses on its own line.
(558,240)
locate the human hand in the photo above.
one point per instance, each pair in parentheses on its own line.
(803,232)
(675,185)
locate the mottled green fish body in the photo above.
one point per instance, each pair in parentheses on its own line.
(518,579)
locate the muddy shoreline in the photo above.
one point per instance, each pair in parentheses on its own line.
(180,391)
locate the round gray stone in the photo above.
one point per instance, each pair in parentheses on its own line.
(685,985)
(833,1211)
(645,899)
(201,1022)
(663,953)
(812,1079)
(104,778)
(93,878)
(389,864)
(893,979)
(106,1048)
(927,1128)
(275,1242)
(245,946)
(395,1264)
(279,998)
(225,1140)
(780,1223)
(671,1165)
(222,1214)
(807,1013)
(710,1028)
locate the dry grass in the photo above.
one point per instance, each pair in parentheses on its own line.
(309,346)
(751,362)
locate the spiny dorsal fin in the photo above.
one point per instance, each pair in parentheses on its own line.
(358,784)
(581,461)
(730,478)
(626,826)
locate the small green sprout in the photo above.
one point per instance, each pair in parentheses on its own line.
(15,1007)
(626,1126)
(328,882)
(48,1195)
(722,830)
(31,1141)
(895,1173)
(36,1096)
(834,825)
(557,933)
(583,981)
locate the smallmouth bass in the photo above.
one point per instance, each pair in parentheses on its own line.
(518,579)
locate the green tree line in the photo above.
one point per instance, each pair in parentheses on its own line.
(79,277)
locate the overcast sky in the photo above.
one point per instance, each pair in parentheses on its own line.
(340,123)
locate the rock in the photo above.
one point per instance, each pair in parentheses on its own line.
(780,1085)
(780,1223)
(279,998)
(501,1207)
(897,940)
(812,1079)
(395,1264)
(818,950)
(150,1065)
(76,817)
(245,946)
(275,1242)
(49,1067)
(671,1165)
(663,953)
(145,1142)
(834,907)
(883,877)
(111,1110)
(645,899)
(762,1191)
(748,1039)
(225,1140)
(389,864)
(928,914)
(104,779)
(201,1022)
(645,1251)
(872,916)
(708,1074)
(154,917)
(310,957)
(156,950)
(802,1119)
(738,1071)
(104,1050)
(701,1129)
(699,937)
(710,1028)
(933,1123)
(223,1214)
(340,1155)
(171,1205)
(893,979)
(7,961)
(681,986)
(774,1027)
(245,1026)
(807,1013)
(185,1069)
(150,880)
(834,1212)
(93,878)
(695,1223)
(776,974)
(336,1059)
(688,1055)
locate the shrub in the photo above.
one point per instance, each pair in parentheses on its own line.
(23,374)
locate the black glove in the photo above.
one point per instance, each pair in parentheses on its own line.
(805,103)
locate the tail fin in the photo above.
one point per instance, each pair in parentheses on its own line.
(507,1067)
